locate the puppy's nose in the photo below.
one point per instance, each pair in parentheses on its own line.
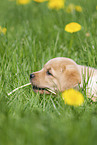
(32,76)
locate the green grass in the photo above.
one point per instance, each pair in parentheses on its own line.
(36,34)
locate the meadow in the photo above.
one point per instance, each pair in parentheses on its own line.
(34,35)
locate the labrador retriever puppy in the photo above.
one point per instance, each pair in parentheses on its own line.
(60,74)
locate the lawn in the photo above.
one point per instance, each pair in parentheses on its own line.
(34,35)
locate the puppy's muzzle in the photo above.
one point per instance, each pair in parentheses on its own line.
(32,76)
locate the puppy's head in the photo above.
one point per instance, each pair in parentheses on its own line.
(58,74)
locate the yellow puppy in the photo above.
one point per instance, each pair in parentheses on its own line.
(62,73)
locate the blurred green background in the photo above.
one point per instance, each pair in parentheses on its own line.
(34,35)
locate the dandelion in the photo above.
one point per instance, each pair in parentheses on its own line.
(70,8)
(72,27)
(96,7)
(78,8)
(40,1)
(73,97)
(23,2)
(3,30)
(56,4)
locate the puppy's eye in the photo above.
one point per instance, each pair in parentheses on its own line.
(48,73)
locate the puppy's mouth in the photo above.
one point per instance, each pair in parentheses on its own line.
(42,90)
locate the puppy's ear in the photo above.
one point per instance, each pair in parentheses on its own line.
(72,77)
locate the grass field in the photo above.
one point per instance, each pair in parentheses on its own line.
(34,35)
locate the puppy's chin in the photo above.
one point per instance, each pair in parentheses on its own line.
(40,90)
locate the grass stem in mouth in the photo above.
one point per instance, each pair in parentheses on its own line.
(19,88)
(51,91)
(28,85)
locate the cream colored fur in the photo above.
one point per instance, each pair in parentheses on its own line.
(64,74)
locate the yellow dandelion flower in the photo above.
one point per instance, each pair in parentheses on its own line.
(56,4)
(3,30)
(78,8)
(70,8)
(23,2)
(72,27)
(73,97)
(96,7)
(40,1)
